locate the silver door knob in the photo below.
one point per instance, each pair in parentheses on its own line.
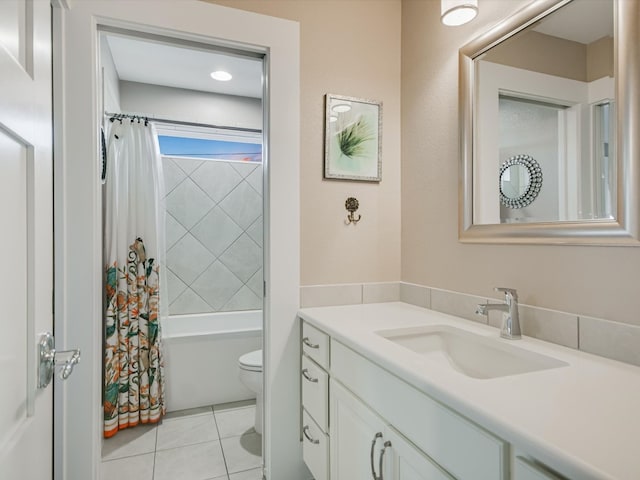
(49,359)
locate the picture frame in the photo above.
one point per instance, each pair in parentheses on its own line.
(353,138)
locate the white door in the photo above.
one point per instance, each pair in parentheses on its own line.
(26,247)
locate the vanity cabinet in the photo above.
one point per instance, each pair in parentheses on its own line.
(360,422)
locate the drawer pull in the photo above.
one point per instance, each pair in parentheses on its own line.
(306,341)
(305,374)
(373,447)
(305,431)
(386,445)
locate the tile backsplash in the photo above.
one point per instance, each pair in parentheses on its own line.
(605,338)
(213,235)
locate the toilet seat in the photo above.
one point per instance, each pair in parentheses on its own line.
(251,361)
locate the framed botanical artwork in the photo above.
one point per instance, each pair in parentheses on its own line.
(353,138)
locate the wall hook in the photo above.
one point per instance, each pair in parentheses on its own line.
(352,205)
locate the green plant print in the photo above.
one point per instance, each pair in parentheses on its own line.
(352,138)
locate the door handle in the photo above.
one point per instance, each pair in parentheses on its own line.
(49,359)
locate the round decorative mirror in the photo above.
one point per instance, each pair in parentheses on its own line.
(520,181)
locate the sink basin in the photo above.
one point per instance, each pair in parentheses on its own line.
(473,355)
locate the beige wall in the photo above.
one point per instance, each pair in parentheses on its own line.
(542,53)
(598,281)
(353,48)
(348,48)
(600,59)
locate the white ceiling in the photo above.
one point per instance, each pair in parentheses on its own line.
(582,21)
(146,61)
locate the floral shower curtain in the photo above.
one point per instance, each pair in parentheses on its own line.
(134,243)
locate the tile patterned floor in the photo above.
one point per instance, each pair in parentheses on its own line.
(210,443)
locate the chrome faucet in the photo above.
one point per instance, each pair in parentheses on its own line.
(510,318)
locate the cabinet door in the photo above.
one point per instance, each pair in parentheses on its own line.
(527,470)
(403,461)
(361,440)
(354,428)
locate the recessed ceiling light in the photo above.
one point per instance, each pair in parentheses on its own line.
(221,75)
(333,118)
(341,107)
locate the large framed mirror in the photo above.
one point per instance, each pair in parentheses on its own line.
(556,84)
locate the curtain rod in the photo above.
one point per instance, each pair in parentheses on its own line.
(180,122)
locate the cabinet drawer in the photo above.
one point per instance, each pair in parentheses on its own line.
(462,448)
(315,392)
(315,344)
(527,470)
(315,448)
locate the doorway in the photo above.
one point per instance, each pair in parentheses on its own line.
(78,232)
(209,135)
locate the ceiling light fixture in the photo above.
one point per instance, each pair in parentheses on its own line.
(458,12)
(341,107)
(221,75)
(333,118)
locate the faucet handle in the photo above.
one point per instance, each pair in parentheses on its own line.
(509,292)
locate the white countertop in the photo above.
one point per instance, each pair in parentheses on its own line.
(582,420)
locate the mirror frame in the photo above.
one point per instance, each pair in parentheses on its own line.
(623,230)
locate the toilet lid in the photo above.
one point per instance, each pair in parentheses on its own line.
(251,360)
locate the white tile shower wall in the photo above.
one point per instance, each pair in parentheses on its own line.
(600,337)
(213,235)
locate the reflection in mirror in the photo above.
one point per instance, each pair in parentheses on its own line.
(554,81)
(550,91)
(520,184)
(514,182)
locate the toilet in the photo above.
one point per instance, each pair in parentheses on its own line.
(251,376)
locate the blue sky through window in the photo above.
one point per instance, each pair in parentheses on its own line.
(210,149)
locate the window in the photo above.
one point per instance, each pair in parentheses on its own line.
(210,144)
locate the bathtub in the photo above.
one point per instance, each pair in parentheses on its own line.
(201,357)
